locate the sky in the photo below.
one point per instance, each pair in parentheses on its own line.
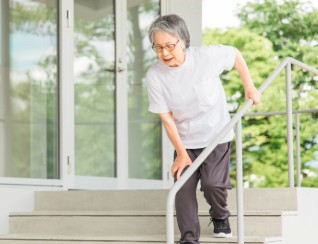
(221,14)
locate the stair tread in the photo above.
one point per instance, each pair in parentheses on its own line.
(141,213)
(203,239)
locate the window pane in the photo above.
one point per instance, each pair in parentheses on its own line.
(94,64)
(144,129)
(28,89)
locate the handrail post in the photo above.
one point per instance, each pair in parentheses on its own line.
(298,150)
(289,125)
(239,182)
(170,219)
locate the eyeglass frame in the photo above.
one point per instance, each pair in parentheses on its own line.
(165,47)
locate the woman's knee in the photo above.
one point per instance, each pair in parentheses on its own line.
(209,186)
(175,174)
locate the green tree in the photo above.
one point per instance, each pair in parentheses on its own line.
(282,23)
(291,26)
(264,137)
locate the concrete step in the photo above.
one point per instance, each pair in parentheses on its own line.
(142,213)
(257,223)
(260,199)
(158,239)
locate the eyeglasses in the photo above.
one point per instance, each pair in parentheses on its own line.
(169,47)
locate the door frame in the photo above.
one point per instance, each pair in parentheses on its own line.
(66,93)
(167,146)
(121,94)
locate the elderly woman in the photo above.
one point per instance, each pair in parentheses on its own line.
(185,90)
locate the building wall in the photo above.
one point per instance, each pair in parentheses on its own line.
(191,12)
(14,200)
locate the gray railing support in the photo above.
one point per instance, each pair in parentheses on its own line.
(302,111)
(239,182)
(206,152)
(298,150)
(289,110)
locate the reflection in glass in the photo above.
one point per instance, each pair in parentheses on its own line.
(144,129)
(94,65)
(28,89)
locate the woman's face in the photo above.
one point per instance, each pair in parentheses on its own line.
(172,58)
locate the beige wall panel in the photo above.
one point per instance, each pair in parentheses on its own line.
(191,12)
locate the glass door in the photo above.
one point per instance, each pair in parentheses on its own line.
(117,140)
(29,85)
(94,93)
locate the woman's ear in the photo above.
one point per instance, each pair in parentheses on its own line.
(183,46)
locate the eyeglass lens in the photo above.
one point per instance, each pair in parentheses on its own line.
(168,48)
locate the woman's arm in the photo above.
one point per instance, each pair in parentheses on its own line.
(249,88)
(182,159)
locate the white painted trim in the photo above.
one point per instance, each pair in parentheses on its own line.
(167,159)
(165,139)
(164,7)
(95,183)
(31,187)
(164,157)
(66,93)
(121,94)
(167,146)
(30,181)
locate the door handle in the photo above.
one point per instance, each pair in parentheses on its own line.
(109,70)
(120,69)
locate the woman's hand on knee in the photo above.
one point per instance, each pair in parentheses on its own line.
(179,164)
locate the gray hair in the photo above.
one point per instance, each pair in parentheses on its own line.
(172,24)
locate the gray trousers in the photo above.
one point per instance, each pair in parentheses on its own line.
(215,179)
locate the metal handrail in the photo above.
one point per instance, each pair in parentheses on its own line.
(302,111)
(286,63)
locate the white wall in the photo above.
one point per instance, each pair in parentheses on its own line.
(303,228)
(191,12)
(14,200)
(18,198)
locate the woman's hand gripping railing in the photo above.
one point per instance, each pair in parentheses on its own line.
(237,118)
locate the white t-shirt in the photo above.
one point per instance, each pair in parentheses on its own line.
(193,92)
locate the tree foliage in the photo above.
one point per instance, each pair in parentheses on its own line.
(288,22)
(264,40)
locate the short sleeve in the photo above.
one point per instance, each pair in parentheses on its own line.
(223,56)
(157,101)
